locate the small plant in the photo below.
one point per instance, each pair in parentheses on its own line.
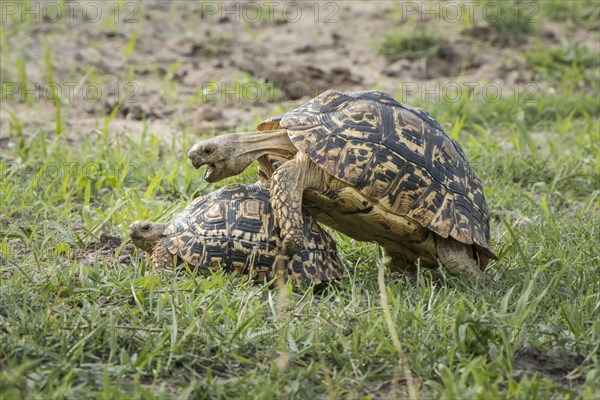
(571,60)
(217,45)
(169,88)
(585,12)
(513,21)
(131,43)
(422,44)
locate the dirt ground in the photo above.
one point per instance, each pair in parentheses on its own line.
(222,66)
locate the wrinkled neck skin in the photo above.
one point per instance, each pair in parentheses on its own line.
(146,245)
(229,155)
(268,164)
(252,146)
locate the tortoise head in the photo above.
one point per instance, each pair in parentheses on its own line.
(145,234)
(229,155)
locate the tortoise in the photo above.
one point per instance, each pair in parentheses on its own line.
(372,168)
(233,228)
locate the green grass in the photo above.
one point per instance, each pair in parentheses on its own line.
(586,13)
(423,43)
(571,62)
(74,328)
(75,323)
(514,22)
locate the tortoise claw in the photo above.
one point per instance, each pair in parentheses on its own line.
(293,243)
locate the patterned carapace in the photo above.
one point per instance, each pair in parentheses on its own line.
(232,228)
(396,156)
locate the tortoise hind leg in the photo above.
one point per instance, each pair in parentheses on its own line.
(458,258)
(398,263)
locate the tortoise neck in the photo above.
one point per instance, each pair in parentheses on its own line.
(267,142)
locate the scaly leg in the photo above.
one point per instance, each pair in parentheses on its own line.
(287,186)
(161,257)
(398,264)
(458,258)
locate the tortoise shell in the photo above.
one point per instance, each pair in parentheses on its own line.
(233,229)
(396,156)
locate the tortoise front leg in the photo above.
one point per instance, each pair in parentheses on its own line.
(286,198)
(287,186)
(161,258)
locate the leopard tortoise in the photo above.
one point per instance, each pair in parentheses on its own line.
(372,168)
(233,228)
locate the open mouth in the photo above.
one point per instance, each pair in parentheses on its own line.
(210,169)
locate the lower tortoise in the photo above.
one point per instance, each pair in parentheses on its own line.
(233,229)
(370,167)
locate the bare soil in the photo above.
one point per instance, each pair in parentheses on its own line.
(198,63)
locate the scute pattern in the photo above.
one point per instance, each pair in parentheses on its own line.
(233,229)
(397,156)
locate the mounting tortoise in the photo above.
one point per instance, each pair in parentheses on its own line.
(370,167)
(233,228)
